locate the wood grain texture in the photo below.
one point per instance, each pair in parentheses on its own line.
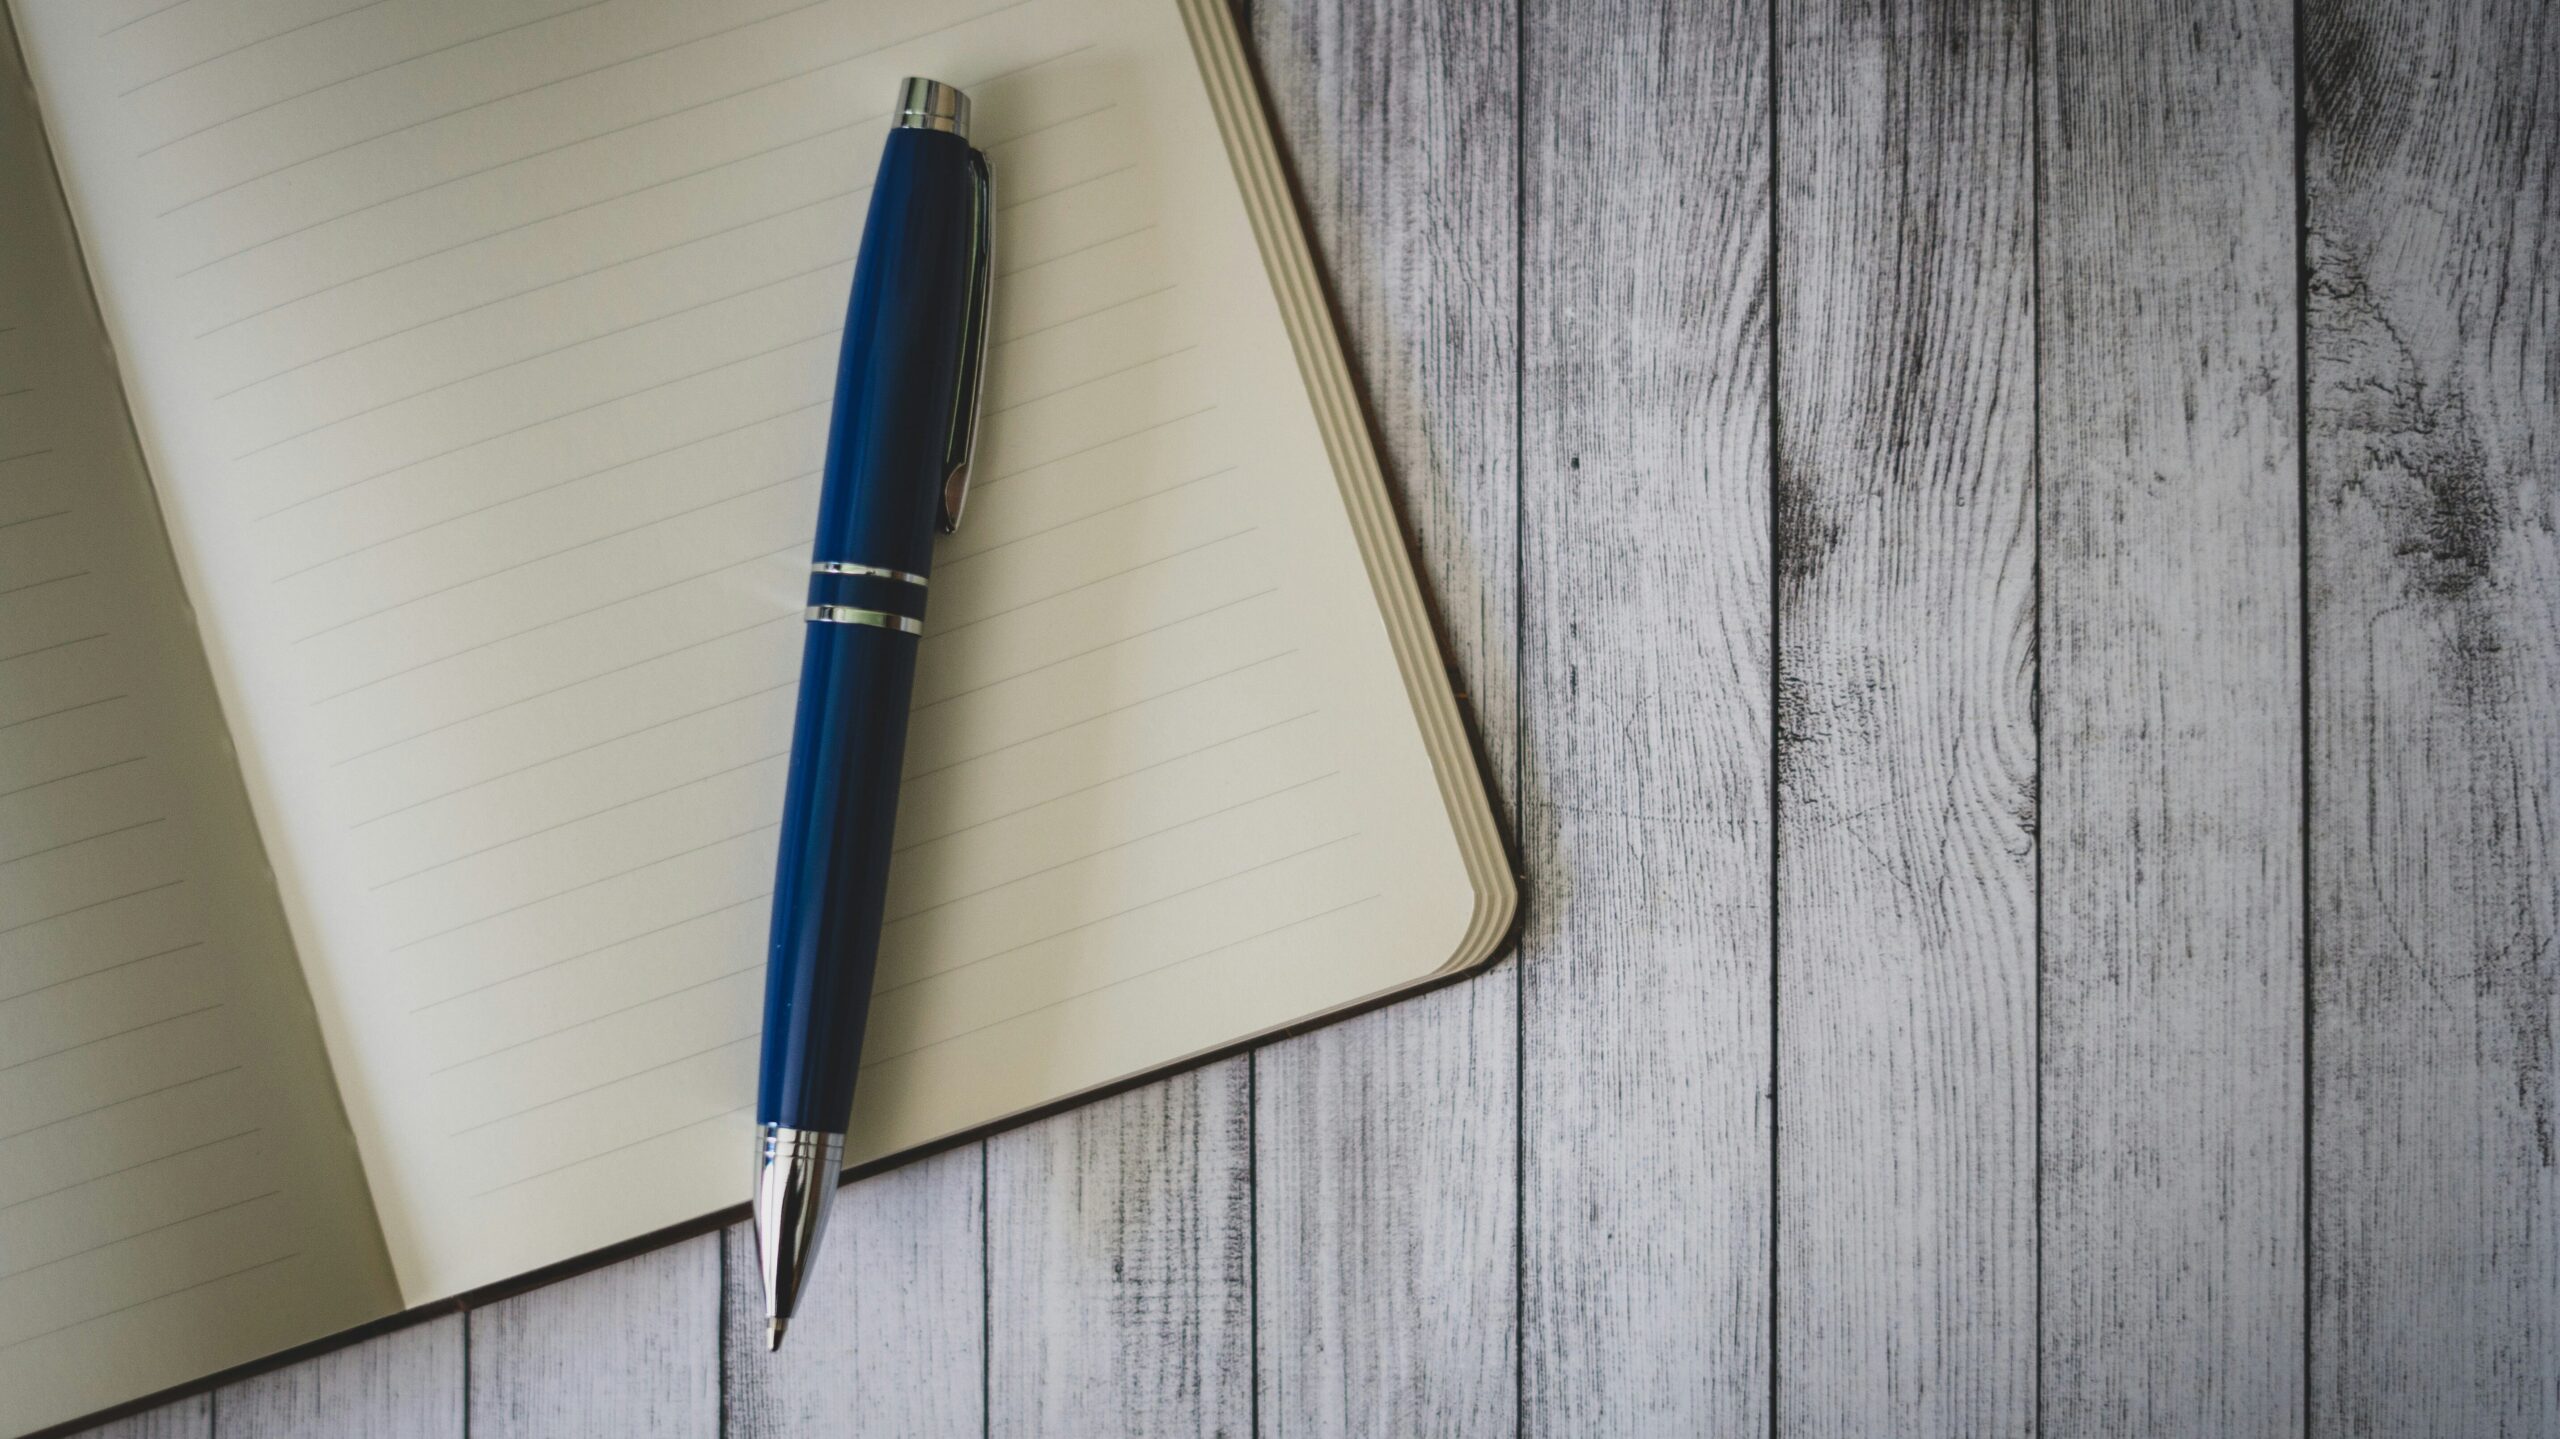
(1646,685)
(408,1384)
(2432,156)
(2169,652)
(891,1337)
(1906,749)
(631,1350)
(1120,1265)
(1386,1280)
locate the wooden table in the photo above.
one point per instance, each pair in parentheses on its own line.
(2006,561)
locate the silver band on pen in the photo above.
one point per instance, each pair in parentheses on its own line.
(877,619)
(847,567)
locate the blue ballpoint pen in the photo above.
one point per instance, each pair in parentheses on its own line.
(897,470)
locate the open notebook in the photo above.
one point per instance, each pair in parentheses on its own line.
(408,418)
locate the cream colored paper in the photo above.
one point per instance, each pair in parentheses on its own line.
(481,351)
(178,1191)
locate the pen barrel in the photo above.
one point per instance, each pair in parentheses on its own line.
(839,820)
(906,371)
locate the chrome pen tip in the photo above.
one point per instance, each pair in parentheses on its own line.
(796,1175)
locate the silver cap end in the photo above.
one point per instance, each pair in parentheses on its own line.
(796,1175)
(931,105)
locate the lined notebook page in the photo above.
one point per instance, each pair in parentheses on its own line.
(483,349)
(177,1190)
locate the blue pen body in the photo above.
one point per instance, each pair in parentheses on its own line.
(904,403)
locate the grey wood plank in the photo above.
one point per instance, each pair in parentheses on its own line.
(408,1384)
(1385,1237)
(1120,1264)
(2432,155)
(1645,677)
(185,1419)
(2169,653)
(1906,756)
(890,1338)
(632,1349)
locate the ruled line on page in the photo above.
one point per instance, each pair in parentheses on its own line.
(493,166)
(1015,339)
(33,519)
(469,40)
(616,196)
(145,15)
(7,861)
(718,166)
(75,774)
(1112,848)
(1104,783)
(40,584)
(979,486)
(599,268)
(737,1112)
(943,563)
(1231,876)
(871,1061)
(130,1168)
(543,489)
(1054,662)
(580,888)
(514,839)
(6,999)
(573,143)
(835,262)
(947,631)
(474,308)
(696,577)
(359,7)
(766,623)
(1078,250)
(1090,380)
(503,570)
(154,1299)
(595,1019)
(25,454)
(1097,718)
(595,136)
(57,644)
(839,262)
(557,1100)
(59,1051)
(120,1103)
(494,100)
(66,709)
(200,1214)
(606,948)
(1018,201)
(552,419)
(85,908)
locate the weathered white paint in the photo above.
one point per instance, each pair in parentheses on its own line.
(1386,1283)
(2433,213)
(2172,1295)
(1906,895)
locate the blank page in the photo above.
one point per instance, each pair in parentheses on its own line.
(178,1191)
(482,352)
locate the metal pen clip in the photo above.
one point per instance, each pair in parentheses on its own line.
(962,448)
